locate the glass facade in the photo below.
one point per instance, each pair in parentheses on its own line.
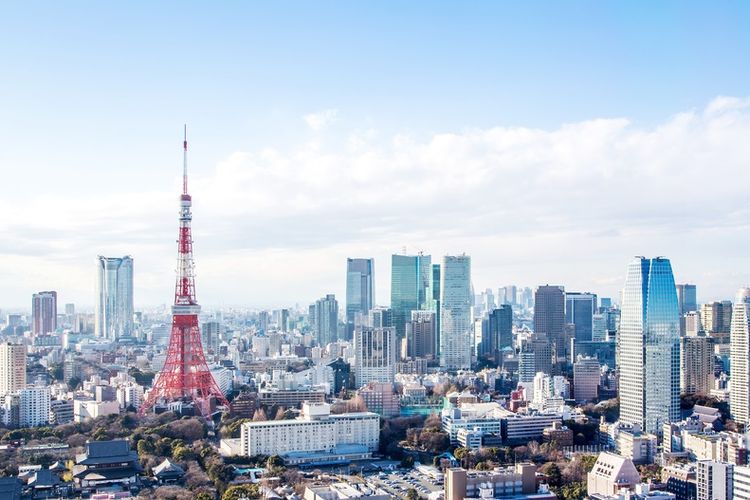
(359,291)
(455,311)
(579,310)
(649,345)
(114,305)
(411,276)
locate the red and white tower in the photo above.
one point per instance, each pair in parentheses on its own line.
(185,376)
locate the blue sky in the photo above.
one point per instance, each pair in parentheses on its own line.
(93,95)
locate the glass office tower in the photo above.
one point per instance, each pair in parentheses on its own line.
(359,292)
(410,288)
(114,304)
(455,310)
(649,346)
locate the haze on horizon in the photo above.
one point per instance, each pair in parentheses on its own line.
(550,143)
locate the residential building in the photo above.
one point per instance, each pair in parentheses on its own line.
(411,276)
(717,320)
(12,367)
(421,335)
(586,377)
(34,406)
(741,483)
(455,310)
(739,395)
(360,292)
(715,480)
(649,351)
(290,398)
(326,320)
(43,313)
(380,398)
(696,365)
(114,291)
(374,355)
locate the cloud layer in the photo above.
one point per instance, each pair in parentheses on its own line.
(272,227)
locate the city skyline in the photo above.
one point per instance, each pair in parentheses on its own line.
(480,155)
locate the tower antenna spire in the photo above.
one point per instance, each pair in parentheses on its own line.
(184,163)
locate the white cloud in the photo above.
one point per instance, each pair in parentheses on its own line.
(569,205)
(319,121)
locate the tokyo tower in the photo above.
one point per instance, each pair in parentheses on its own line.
(185,376)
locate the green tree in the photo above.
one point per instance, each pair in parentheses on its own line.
(552,471)
(203,495)
(241,491)
(145,447)
(274,462)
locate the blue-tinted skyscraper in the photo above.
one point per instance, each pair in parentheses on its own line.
(579,310)
(455,309)
(359,291)
(114,297)
(410,287)
(649,345)
(497,332)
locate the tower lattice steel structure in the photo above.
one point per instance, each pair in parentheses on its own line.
(185,375)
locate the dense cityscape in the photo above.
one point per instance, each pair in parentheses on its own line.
(375,250)
(444,393)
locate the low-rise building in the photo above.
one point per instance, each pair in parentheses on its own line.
(612,473)
(316,434)
(517,482)
(107,464)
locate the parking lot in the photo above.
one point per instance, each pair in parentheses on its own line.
(398,482)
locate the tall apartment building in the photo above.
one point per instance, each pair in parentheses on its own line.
(421,335)
(114,297)
(326,319)
(411,277)
(586,378)
(34,405)
(12,368)
(374,355)
(715,480)
(741,483)
(43,313)
(739,396)
(649,351)
(696,364)
(455,310)
(360,291)
(549,318)
(717,320)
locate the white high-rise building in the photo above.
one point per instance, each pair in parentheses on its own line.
(34,406)
(114,297)
(739,396)
(374,355)
(715,480)
(649,346)
(741,483)
(12,368)
(455,312)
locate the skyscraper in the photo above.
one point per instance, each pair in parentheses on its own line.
(455,309)
(549,318)
(410,287)
(359,291)
(420,335)
(497,331)
(114,297)
(43,313)
(579,310)
(12,367)
(649,345)
(717,320)
(686,298)
(436,304)
(326,320)
(374,355)
(739,396)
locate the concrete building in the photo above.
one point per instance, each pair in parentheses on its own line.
(586,377)
(43,313)
(610,474)
(315,431)
(715,480)
(360,291)
(421,335)
(34,406)
(739,395)
(374,355)
(741,484)
(549,319)
(84,409)
(12,367)
(696,365)
(380,398)
(508,482)
(290,398)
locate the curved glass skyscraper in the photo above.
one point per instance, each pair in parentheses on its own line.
(649,345)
